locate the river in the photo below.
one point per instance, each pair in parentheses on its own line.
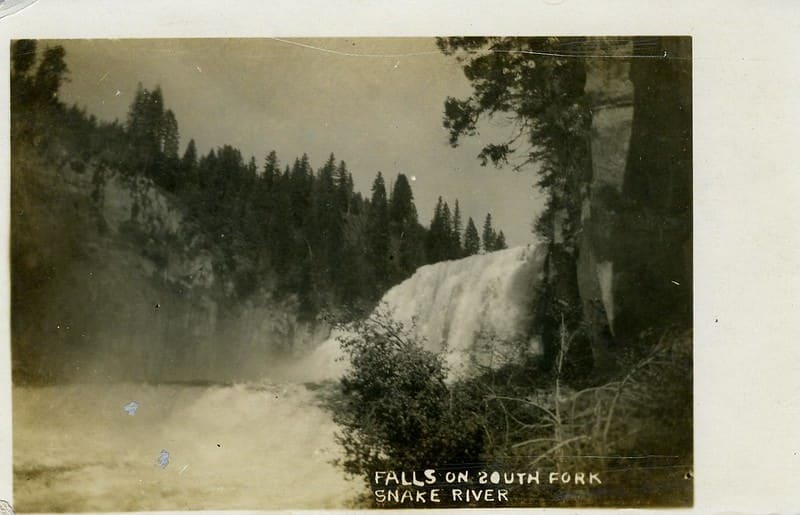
(245,446)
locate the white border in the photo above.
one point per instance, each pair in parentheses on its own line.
(747,242)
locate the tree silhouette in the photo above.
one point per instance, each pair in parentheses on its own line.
(472,242)
(489,235)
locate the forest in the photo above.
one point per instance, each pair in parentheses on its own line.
(298,231)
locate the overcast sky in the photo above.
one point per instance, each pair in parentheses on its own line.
(376,103)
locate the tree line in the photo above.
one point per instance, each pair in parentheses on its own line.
(273,228)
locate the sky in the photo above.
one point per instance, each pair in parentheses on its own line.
(377,104)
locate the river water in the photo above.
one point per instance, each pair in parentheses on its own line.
(247,446)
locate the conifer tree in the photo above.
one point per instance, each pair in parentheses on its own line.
(407,244)
(168,162)
(344,187)
(472,242)
(488,234)
(23,55)
(378,233)
(169,135)
(272,171)
(281,228)
(153,138)
(402,212)
(327,227)
(187,172)
(50,75)
(300,183)
(500,242)
(455,234)
(266,201)
(446,250)
(189,159)
(447,219)
(437,234)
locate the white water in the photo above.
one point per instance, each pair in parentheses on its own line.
(236,447)
(474,309)
(267,446)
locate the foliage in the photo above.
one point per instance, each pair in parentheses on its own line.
(444,239)
(538,84)
(396,410)
(472,242)
(407,251)
(545,97)
(634,427)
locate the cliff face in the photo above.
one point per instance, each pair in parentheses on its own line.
(635,255)
(107,283)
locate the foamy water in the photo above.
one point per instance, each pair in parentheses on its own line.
(472,309)
(236,447)
(458,305)
(266,446)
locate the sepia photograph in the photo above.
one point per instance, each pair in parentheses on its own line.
(351,273)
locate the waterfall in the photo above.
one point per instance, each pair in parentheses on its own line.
(476,310)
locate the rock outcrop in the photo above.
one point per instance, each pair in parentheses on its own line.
(635,242)
(110,282)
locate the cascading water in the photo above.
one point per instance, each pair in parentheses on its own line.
(476,309)
(266,445)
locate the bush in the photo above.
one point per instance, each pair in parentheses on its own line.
(398,412)
(395,408)
(635,429)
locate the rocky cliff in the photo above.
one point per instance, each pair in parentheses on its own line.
(109,283)
(635,243)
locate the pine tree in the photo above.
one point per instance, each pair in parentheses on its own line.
(189,159)
(435,233)
(446,238)
(266,200)
(154,125)
(281,229)
(187,174)
(205,171)
(327,227)
(455,234)
(378,233)
(300,183)
(23,55)
(488,234)
(472,242)
(224,197)
(169,163)
(169,135)
(50,75)
(500,242)
(344,187)
(136,125)
(153,138)
(272,171)
(246,231)
(407,242)
(402,211)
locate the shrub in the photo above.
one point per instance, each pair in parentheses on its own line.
(397,411)
(395,408)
